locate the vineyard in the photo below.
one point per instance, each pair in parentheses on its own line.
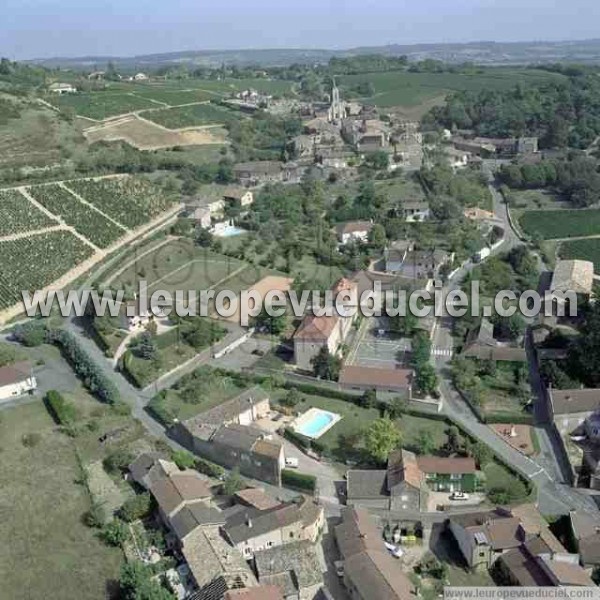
(101,105)
(19,214)
(92,225)
(129,201)
(175,97)
(192,116)
(35,262)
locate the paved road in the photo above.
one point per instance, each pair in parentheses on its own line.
(548,471)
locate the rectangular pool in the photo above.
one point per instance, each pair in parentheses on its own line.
(315,422)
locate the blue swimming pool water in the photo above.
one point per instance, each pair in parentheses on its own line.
(230,232)
(315,424)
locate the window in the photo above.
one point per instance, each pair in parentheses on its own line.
(481,554)
(404,498)
(455,476)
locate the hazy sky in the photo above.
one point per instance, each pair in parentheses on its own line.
(44,28)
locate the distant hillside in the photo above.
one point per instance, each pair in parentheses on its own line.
(491,53)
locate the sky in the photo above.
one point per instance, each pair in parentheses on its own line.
(50,28)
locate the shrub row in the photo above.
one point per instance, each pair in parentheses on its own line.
(89,372)
(299,481)
(63,412)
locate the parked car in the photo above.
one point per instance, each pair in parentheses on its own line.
(291,462)
(339,568)
(459,496)
(395,551)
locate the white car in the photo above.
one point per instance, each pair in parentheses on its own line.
(339,568)
(395,551)
(291,462)
(459,496)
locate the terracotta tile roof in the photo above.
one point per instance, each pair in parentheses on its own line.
(568,573)
(270,448)
(438,464)
(403,466)
(257,498)
(354,227)
(15,373)
(353,375)
(179,488)
(317,329)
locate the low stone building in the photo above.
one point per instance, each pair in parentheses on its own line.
(393,381)
(353,231)
(570,408)
(225,435)
(294,569)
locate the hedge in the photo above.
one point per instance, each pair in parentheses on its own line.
(62,411)
(89,372)
(209,468)
(509,417)
(299,481)
(159,411)
(296,439)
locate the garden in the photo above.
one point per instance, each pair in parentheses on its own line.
(19,214)
(131,201)
(91,224)
(32,263)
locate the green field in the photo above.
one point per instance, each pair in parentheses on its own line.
(51,553)
(222,87)
(19,214)
(561,223)
(179,265)
(583,250)
(192,116)
(410,89)
(101,105)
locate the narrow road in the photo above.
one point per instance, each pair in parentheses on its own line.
(548,470)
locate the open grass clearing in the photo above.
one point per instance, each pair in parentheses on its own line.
(51,553)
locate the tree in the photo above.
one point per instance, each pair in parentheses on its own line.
(204,237)
(377,237)
(397,407)
(183,459)
(291,399)
(137,507)
(326,365)
(145,346)
(233,483)
(274,325)
(137,584)
(424,442)
(453,441)
(381,438)
(368,399)
(114,533)
(117,460)
(426,379)
(480,452)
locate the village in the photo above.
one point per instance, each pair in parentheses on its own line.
(304,456)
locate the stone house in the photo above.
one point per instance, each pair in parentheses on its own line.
(585,535)
(415,210)
(261,172)
(393,381)
(179,489)
(252,530)
(353,231)
(294,568)
(569,409)
(225,435)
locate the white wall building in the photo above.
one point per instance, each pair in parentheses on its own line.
(15,380)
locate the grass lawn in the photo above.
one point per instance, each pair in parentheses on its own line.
(180,264)
(582,249)
(535,200)
(501,390)
(344,440)
(195,393)
(323,275)
(553,224)
(51,553)
(498,476)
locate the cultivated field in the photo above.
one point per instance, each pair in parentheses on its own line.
(130,201)
(101,105)
(145,135)
(192,116)
(19,214)
(32,263)
(556,224)
(89,223)
(583,250)
(174,97)
(410,89)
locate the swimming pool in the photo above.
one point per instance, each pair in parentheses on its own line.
(315,422)
(229,231)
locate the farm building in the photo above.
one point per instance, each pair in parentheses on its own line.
(62,88)
(353,231)
(15,380)
(396,381)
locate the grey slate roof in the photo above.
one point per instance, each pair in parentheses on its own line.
(252,522)
(367,484)
(241,437)
(296,564)
(195,515)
